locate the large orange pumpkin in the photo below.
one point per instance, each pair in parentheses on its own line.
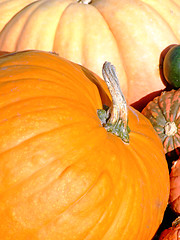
(130,33)
(63,173)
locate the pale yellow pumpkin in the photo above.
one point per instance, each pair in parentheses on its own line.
(129,33)
(8,8)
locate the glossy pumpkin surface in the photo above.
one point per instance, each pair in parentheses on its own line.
(63,176)
(164,114)
(131,34)
(171,66)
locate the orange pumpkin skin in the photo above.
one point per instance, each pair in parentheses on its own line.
(63,175)
(131,34)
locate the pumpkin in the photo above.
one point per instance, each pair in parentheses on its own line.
(130,33)
(171,66)
(71,168)
(172,233)
(174,198)
(8,8)
(164,114)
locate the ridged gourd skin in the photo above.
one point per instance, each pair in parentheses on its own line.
(129,33)
(164,114)
(63,176)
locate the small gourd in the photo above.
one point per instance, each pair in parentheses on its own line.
(171,66)
(164,114)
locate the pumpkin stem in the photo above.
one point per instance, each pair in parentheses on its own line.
(115,119)
(170,129)
(176,222)
(84,1)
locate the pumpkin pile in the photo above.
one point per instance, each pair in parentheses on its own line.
(164,114)
(90,119)
(129,33)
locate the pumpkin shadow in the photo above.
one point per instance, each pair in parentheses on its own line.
(2,53)
(169,215)
(172,156)
(140,104)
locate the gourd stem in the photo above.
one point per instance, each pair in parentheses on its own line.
(170,129)
(115,119)
(176,222)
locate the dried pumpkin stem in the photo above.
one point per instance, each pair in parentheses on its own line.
(115,119)
(176,222)
(84,1)
(170,129)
